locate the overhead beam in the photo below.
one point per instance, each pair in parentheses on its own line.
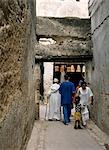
(82,58)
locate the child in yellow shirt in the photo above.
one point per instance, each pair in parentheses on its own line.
(77,115)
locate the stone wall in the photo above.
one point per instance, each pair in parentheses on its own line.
(37,81)
(72,36)
(17,40)
(99,12)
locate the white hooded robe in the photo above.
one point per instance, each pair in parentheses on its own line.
(54,102)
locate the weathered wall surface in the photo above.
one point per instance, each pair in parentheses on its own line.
(17,37)
(99,12)
(37,80)
(67,26)
(72,36)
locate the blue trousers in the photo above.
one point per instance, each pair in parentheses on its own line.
(67,112)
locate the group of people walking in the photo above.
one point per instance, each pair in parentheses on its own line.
(66,96)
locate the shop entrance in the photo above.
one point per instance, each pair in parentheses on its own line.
(76,72)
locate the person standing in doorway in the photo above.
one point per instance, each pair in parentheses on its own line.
(54,101)
(67,89)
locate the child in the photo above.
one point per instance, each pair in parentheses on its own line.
(77,115)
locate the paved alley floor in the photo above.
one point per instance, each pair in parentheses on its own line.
(54,135)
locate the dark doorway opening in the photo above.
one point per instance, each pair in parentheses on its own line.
(75,77)
(76,72)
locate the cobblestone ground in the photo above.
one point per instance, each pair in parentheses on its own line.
(56,136)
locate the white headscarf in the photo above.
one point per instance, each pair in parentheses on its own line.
(55,80)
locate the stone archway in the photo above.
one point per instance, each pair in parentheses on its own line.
(85,61)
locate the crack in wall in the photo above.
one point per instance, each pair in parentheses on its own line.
(105,19)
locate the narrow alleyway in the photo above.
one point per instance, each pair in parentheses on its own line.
(55,135)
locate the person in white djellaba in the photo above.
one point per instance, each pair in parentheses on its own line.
(86,98)
(54,101)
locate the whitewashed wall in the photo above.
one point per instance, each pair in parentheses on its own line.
(48,77)
(99,12)
(62,8)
